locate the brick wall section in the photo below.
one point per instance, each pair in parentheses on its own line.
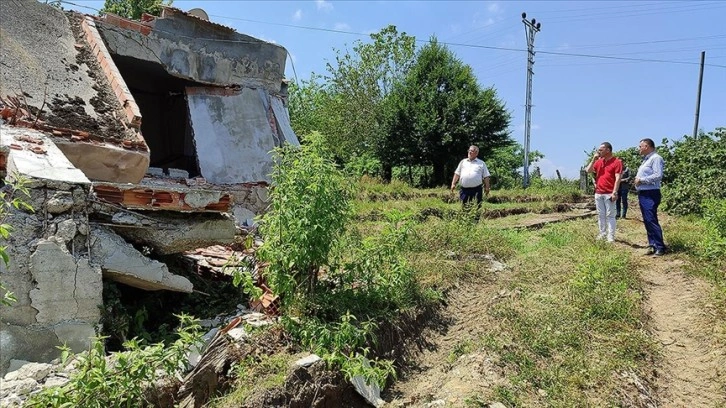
(99,50)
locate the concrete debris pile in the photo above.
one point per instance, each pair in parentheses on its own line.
(27,378)
(137,139)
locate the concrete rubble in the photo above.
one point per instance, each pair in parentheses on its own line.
(129,153)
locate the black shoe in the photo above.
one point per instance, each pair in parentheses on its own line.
(659,252)
(617,215)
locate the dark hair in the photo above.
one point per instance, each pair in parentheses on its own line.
(649,142)
(607,145)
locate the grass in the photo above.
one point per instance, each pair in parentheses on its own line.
(253,376)
(572,326)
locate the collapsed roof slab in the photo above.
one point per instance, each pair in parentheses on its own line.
(57,76)
(172,233)
(31,153)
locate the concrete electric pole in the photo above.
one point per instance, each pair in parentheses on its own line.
(530,29)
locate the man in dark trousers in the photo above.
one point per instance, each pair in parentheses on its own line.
(647,182)
(472,172)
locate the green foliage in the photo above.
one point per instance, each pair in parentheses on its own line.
(504,164)
(310,210)
(133,9)
(364,164)
(122,380)
(348,104)
(12,197)
(438,110)
(694,171)
(335,285)
(713,245)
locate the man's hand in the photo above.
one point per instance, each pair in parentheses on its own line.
(595,156)
(614,197)
(637,181)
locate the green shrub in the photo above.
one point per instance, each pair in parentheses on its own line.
(694,171)
(122,380)
(310,209)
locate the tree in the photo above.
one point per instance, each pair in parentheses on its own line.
(133,9)
(438,110)
(347,105)
(505,163)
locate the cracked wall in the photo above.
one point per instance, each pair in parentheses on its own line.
(58,291)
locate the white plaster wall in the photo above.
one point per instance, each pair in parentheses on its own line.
(233,136)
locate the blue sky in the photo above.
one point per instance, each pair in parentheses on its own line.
(579,101)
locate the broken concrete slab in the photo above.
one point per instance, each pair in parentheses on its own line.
(121,262)
(33,154)
(179,43)
(179,233)
(106,162)
(160,194)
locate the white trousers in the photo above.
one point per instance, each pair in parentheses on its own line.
(605,216)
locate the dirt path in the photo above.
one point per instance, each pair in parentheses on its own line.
(692,372)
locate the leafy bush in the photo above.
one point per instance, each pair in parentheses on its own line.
(335,286)
(121,380)
(310,209)
(694,171)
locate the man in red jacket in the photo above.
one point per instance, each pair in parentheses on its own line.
(608,170)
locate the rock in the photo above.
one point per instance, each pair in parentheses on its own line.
(16,364)
(308,361)
(371,392)
(238,333)
(497,405)
(18,387)
(55,381)
(59,203)
(36,371)
(66,230)
(436,403)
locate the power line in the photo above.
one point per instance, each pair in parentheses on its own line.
(710,37)
(476,46)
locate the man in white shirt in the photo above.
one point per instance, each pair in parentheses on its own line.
(472,172)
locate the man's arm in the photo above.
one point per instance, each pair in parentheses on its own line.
(454,181)
(616,189)
(486,185)
(591,167)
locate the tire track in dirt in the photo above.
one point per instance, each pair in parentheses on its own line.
(693,369)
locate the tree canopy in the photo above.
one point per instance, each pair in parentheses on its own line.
(133,9)
(438,110)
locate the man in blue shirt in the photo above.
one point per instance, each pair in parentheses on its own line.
(647,182)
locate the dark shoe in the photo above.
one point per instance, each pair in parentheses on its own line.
(617,215)
(650,250)
(659,252)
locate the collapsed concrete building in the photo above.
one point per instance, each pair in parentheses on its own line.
(131,134)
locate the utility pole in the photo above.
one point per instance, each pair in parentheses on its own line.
(530,29)
(698,98)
